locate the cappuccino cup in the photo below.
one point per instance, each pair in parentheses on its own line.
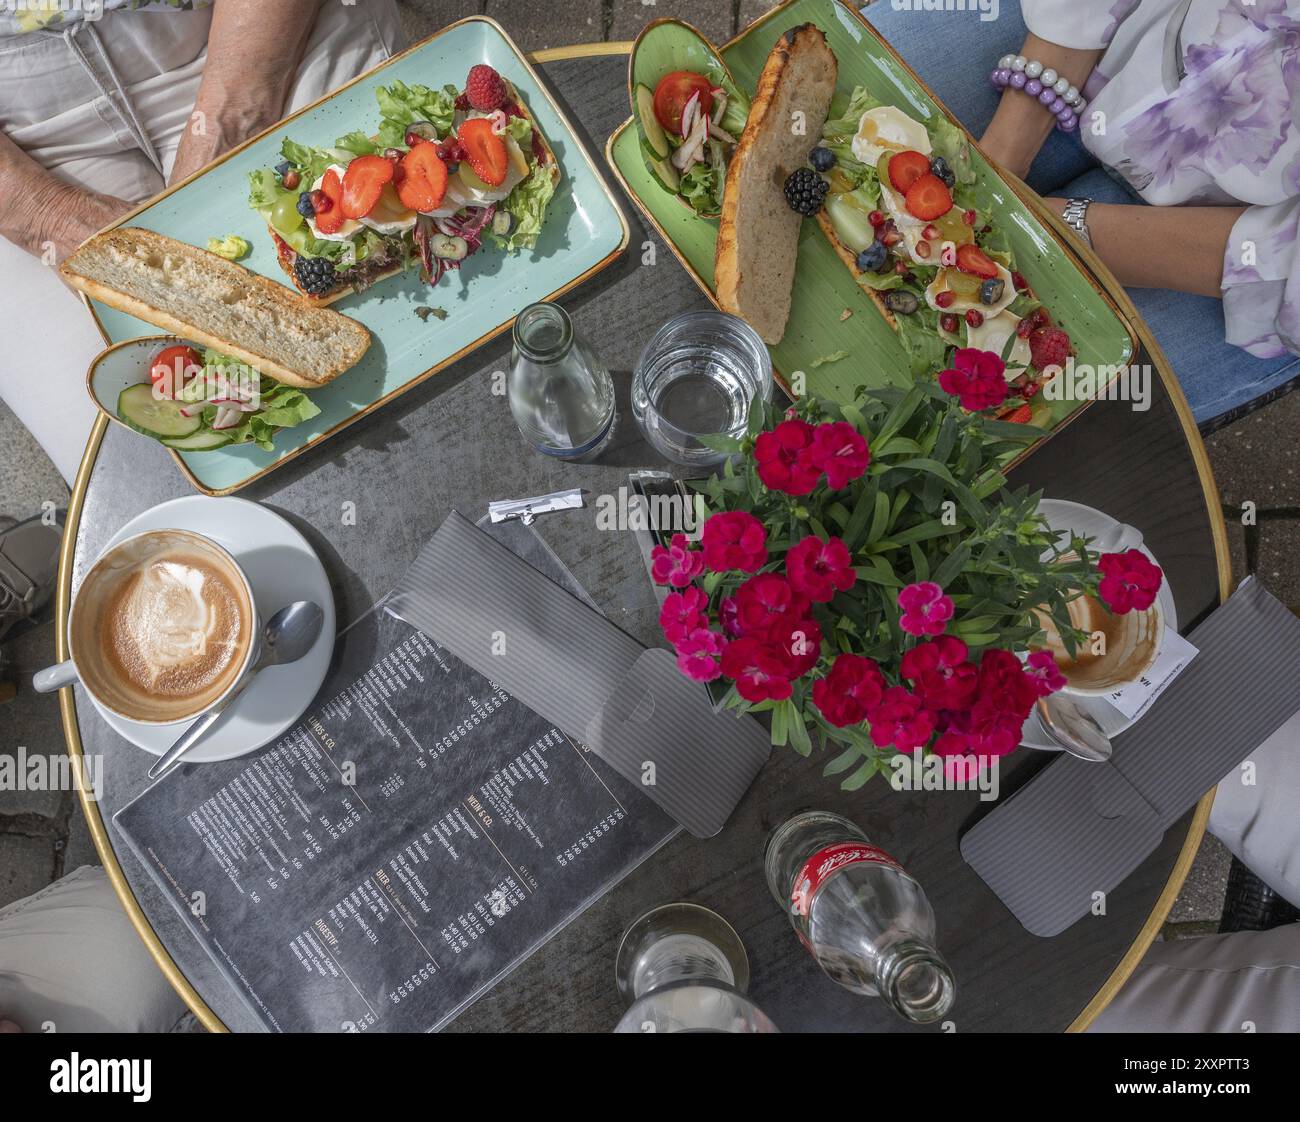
(162,628)
(1116,651)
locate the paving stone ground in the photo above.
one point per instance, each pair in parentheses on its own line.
(42,835)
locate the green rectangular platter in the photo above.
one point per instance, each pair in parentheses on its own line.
(824,288)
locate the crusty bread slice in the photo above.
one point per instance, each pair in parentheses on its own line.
(850,259)
(210,300)
(758,235)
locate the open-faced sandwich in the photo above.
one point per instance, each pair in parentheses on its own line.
(688,110)
(256,346)
(899,202)
(447,171)
(758,236)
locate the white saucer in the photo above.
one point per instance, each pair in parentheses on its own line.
(1065,517)
(281,567)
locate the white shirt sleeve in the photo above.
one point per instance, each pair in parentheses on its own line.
(1080,24)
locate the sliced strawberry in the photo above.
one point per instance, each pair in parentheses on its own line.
(906,168)
(971,259)
(1019,416)
(363,183)
(330,219)
(928,198)
(423,178)
(485,151)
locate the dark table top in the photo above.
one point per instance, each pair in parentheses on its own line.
(451,442)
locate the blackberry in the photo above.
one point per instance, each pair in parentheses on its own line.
(805,190)
(823,159)
(315,274)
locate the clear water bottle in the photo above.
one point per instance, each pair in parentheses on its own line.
(683,968)
(561,395)
(865,921)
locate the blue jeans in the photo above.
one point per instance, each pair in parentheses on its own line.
(953,53)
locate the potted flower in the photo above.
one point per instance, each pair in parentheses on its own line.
(866,577)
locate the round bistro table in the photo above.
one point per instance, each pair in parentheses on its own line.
(409,463)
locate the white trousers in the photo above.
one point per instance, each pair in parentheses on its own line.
(104,106)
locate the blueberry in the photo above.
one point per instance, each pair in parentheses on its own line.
(872,259)
(940,170)
(823,159)
(282,168)
(902,302)
(991,290)
(304,205)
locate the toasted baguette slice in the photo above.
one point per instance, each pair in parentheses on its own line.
(286,256)
(200,296)
(758,235)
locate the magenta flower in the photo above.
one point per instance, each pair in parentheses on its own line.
(816,568)
(729,616)
(839,450)
(784,458)
(676,565)
(901,720)
(697,654)
(926,610)
(1046,675)
(940,673)
(977,378)
(765,600)
(683,613)
(734,540)
(758,670)
(1129,581)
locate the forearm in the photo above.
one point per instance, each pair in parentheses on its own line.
(253,53)
(1177,247)
(1021,124)
(41,213)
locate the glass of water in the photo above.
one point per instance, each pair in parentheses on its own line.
(696,378)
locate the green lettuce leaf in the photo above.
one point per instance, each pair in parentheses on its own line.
(282,408)
(358,143)
(400,105)
(701,186)
(844,118)
(521,128)
(527,205)
(948,141)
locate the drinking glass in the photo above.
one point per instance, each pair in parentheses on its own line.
(683,968)
(697,377)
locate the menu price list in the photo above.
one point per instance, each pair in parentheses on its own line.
(412,838)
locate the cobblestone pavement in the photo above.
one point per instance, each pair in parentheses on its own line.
(42,835)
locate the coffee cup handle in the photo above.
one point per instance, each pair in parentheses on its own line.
(54,677)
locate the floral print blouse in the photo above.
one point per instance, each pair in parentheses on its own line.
(1192,102)
(20,16)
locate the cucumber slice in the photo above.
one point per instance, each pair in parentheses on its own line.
(159,418)
(203,441)
(650,126)
(667,175)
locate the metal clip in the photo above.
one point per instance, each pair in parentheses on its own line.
(527,510)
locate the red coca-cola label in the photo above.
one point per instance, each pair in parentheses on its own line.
(831,860)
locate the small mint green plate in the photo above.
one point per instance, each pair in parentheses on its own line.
(824,289)
(584,231)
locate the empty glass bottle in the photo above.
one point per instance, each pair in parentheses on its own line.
(561,395)
(866,922)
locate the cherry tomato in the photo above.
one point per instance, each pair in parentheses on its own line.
(674,91)
(172,367)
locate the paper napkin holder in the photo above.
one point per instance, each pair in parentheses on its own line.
(1077,829)
(567,662)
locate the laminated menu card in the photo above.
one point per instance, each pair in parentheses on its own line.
(412,838)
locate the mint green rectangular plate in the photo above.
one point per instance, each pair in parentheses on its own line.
(585,230)
(824,289)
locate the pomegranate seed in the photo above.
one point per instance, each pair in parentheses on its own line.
(876,218)
(986,229)
(974,317)
(1029,390)
(291,180)
(948,322)
(968,217)
(930,233)
(892,238)
(901,268)
(1019,281)
(321,203)
(944,299)
(1024,328)
(923,249)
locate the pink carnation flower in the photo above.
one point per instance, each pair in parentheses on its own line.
(977,378)
(678,564)
(734,540)
(839,450)
(926,610)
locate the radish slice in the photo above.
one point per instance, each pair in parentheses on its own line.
(689,110)
(227,417)
(721,134)
(719,104)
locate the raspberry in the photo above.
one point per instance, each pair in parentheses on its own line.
(484,88)
(1049,346)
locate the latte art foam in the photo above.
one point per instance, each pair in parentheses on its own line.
(174,627)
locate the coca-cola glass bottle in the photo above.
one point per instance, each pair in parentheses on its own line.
(866,922)
(683,968)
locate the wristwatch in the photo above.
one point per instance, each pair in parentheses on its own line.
(1075,216)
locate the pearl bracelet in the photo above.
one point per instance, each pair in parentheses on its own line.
(1053,92)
